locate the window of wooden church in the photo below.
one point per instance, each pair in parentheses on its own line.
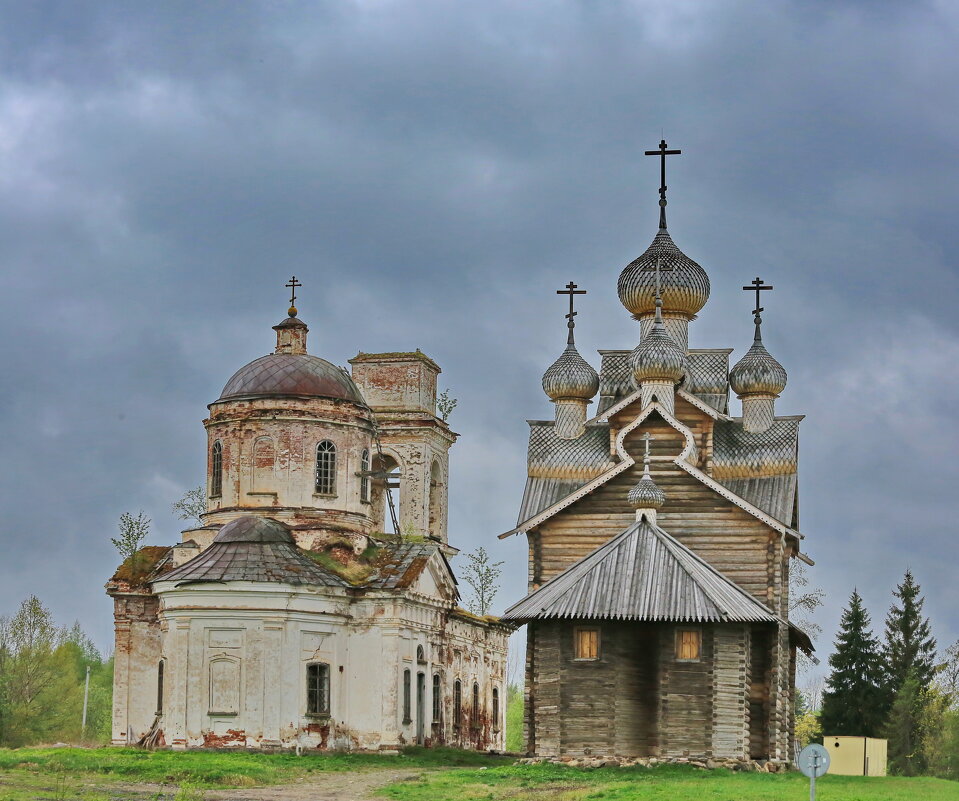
(586,643)
(325,468)
(317,689)
(689,644)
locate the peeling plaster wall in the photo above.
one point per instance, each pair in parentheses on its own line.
(244,648)
(136,665)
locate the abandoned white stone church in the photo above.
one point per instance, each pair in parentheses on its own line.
(290,618)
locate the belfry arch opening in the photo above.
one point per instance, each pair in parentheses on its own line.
(436,500)
(386,474)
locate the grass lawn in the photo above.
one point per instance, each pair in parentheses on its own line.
(662,783)
(73,774)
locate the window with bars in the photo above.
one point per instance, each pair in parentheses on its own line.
(437,697)
(457,703)
(365,477)
(317,689)
(216,470)
(325,468)
(689,643)
(586,643)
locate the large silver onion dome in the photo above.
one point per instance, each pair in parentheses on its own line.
(757,373)
(685,285)
(658,357)
(570,377)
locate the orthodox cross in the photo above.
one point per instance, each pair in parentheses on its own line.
(647,439)
(757,286)
(570,290)
(662,152)
(292,284)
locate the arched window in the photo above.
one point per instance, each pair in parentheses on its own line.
(420,655)
(216,470)
(457,704)
(326,468)
(407,703)
(437,697)
(496,709)
(365,477)
(475,716)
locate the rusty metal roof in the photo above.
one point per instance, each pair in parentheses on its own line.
(642,574)
(405,562)
(253,549)
(286,374)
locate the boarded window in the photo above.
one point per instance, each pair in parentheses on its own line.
(407,707)
(688,645)
(224,687)
(317,689)
(457,704)
(586,642)
(216,469)
(264,461)
(326,468)
(496,709)
(365,477)
(437,697)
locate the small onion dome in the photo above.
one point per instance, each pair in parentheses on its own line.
(570,377)
(685,285)
(646,494)
(658,357)
(757,373)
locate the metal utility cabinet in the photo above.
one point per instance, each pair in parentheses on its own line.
(856,756)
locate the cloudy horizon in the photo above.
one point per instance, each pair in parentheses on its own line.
(433,172)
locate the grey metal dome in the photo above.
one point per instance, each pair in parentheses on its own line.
(570,377)
(291,374)
(685,285)
(254,529)
(757,373)
(657,357)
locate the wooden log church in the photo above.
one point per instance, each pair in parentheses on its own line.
(660,534)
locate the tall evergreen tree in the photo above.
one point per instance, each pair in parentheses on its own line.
(910,647)
(854,701)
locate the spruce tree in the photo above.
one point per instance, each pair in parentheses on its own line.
(854,702)
(910,647)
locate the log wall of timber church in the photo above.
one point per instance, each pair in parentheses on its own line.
(637,699)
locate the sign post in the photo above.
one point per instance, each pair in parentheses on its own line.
(813,762)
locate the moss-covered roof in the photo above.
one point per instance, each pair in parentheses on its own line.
(136,568)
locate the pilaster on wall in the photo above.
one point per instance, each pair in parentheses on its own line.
(136,663)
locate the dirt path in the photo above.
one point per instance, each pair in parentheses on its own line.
(333,786)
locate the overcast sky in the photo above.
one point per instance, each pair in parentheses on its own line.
(433,172)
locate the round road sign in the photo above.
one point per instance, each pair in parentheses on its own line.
(814,761)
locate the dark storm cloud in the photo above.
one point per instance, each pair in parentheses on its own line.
(432,171)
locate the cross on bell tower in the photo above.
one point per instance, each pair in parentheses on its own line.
(571,290)
(662,152)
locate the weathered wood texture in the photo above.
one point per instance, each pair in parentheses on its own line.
(686,689)
(731,646)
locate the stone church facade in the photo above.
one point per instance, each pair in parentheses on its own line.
(661,531)
(298,614)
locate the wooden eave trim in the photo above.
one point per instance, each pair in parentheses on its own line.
(691,399)
(680,461)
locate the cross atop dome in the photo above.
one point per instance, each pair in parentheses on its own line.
(662,152)
(571,290)
(292,285)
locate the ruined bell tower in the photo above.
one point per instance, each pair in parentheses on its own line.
(400,389)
